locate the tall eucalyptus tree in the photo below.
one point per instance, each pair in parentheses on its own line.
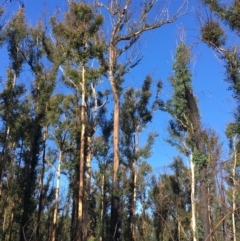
(186,130)
(77,40)
(127,26)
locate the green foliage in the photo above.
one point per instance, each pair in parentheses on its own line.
(178,137)
(232,16)
(77,35)
(181,127)
(1,26)
(42,117)
(232,133)
(136,114)
(212,33)
(229,12)
(232,130)
(15,33)
(169,198)
(199,159)
(181,80)
(232,57)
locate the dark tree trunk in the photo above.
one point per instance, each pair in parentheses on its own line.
(29,183)
(198,140)
(40,203)
(204,215)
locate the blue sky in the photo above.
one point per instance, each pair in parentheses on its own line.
(157,48)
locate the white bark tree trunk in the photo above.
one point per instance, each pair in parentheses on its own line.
(82,160)
(234,191)
(193,203)
(55,212)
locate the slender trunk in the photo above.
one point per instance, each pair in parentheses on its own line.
(223,211)
(40,203)
(74,180)
(134,191)
(221,197)
(115,225)
(143,226)
(133,203)
(11,224)
(102,222)
(3,161)
(4,156)
(87,187)
(88,164)
(179,228)
(193,203)
(55,212)
(234,194)
(209,214)
(4,225)
(73,230)
(82,162)
(204,203)
(30,179)
(5,148)
(7,222)
(204,198)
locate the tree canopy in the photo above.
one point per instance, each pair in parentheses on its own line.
(81,117)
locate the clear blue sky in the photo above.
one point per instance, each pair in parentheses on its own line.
(158,47)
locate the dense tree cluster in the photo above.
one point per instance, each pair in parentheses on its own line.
(63,104)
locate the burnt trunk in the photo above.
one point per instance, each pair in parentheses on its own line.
(204,214)
(199,145)
(40,203)
(29,183)
(133,203)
